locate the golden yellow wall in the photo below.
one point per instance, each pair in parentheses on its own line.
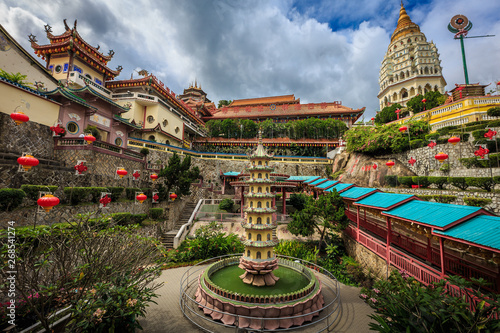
(39,109)
(263,216)
(59,61)
(89,70)
(262,250)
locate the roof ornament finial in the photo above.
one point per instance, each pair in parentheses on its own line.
(32,38)
(66,25)
(98,46)
(48,28)
(119,68)
(111,53)
(75,25)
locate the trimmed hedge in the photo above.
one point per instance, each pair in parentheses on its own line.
(476,202)
(391,180)
(438,198)
(33,191)
(485,183)
(127,218)
(116,192)
(156,213)
(458,182)
(421,180)
(130,192)
(76,195)
(479,134)
(138,218)
(438,181)
(406,181)
(10,198)
(432,136)
(418,143)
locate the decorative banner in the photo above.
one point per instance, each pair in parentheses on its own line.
(412,161)
(155,198)
(100,120)
(432,144)
(136,174)
(105,199)
(80,168)
(490,135)
(482,152)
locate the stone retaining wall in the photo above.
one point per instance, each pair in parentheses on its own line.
(369,261)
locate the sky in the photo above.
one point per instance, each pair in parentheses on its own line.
(320,51)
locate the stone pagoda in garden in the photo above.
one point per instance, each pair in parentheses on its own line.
(259,259)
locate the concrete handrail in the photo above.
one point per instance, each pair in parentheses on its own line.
(182,233)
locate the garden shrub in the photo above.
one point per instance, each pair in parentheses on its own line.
(432,136)
(337,173)
(493,112)
(418,143)
(438,181)
(138,218)
(391,180)
(144,151)
(156,213)
(458,182)
(122,218)
(479,134)
(445,167)
(96,193)
(130,192)
(10,198)
(76,195)
(476,202)
(421,180)
(485,183)
(406,181)
(116,192)
(442,141)
(425,197)
(32,191)
(494,123)
(227,205)
(298,200)
(442,198)
(297,249)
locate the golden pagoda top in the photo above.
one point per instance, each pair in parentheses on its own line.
(405,25)
(260,152)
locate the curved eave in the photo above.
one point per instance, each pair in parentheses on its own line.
(251,226)
(259,244)
(95,93)
(69,95)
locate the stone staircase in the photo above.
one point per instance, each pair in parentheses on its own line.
(9,158)
(168,238)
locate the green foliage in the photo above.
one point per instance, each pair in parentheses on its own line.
(476,202)
(421,180)
(76,195)
(433,99)
(439,198)
(10,198)
(485,183)
(298,200)
(445,167)
(417,143)
(426,197)
(337,174)
(210,241)
(144,151)
(227,205)
(156,213)
(124,218)
(296,249)
(16,78)
(493,112)
(438,181)
(458,182)
(33,191)
(116,192)
(223,102)
(391,180)
(138,218)
(322,214)
(402,304)
(474,162)
(479,134)
(387,114)
(406,181)
(130,192)
(432,136)
(494,123)
(177,176)
(383,139)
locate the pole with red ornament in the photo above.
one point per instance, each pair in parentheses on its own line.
(397,113)
(491,136)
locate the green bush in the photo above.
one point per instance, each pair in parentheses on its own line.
(227,205)
(76,195)
(138,218)
(476,202)
(432,136)
(391,180)
(10,198)
(444,198)
(122,218)
(96,193)
(493,112)
(479,134)
(337,174)
(442,141)
(130,192)
(438,181)
(421,180)
(144,151)
(458,182)
(116,192)
(494,123)
(33,191)
(406,181)
(296,249)
(425,197)
(298,200)
(485,183)
(418,143)
(445,167)
(156,213)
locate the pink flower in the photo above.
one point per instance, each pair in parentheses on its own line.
(376,291)
(373,300)
(364,296)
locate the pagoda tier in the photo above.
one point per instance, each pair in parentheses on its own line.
(72,44)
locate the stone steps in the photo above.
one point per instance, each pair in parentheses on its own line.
(168,238)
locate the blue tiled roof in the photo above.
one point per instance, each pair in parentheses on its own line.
(482,229)
(432,213)
(301,178)
(357,192)
(312,179)
(339,187)
(383,200)
(318,181)
(232,173)
(327,183)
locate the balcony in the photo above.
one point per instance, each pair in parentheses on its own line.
(77,79)
(99,146)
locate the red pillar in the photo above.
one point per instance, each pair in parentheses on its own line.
(429,250)
(357,223)
(242,200)
(224,187)
(388,246)
(284,199)
(441,255)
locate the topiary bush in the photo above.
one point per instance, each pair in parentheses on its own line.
(485,183)
(116,192)
(406,181)
(438,181)
(418,143)
(138,218)
(33,191)
(76,195)
(130,192)
(425,197)
(476,202)
(421,180)
(122,218)
(458,182)
(227,205)
(391,181)
(10,198)
(479,134)
(156,213)
(444,198)
(493,112)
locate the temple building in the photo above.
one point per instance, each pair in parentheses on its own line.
(411,65)
(197,100)
(283,109)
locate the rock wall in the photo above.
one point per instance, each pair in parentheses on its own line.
(370,262)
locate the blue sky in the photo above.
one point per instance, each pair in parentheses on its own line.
(321,51)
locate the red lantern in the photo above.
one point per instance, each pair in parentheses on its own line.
(441,157)
(89,138)
(424,100)
(136,174)
(141,197)
(403,129)
(454,140)
(390,164)
(105,200)
(153,177)
(121,172)
(80,168)
(412,161)
(19,117)
(431,144)
(173,196)
(27,162)
(47,202)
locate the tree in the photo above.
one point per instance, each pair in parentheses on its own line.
(298,200)
(432,100)
(223,102)
(322,214)
(177,176)
(387,114)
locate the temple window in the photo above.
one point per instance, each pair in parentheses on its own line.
(267,204)
(249,236)
(260,175)
(259,237)
(268,254)
(259,220)
(248,253)
(268,236)
(260,162)
(259,189)
(250,219)
(259,204)
(251,204)
(258,255)
(268,220)
(267,189)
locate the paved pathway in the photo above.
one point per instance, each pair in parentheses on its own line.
(166,316)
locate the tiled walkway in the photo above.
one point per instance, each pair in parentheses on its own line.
(166,316)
